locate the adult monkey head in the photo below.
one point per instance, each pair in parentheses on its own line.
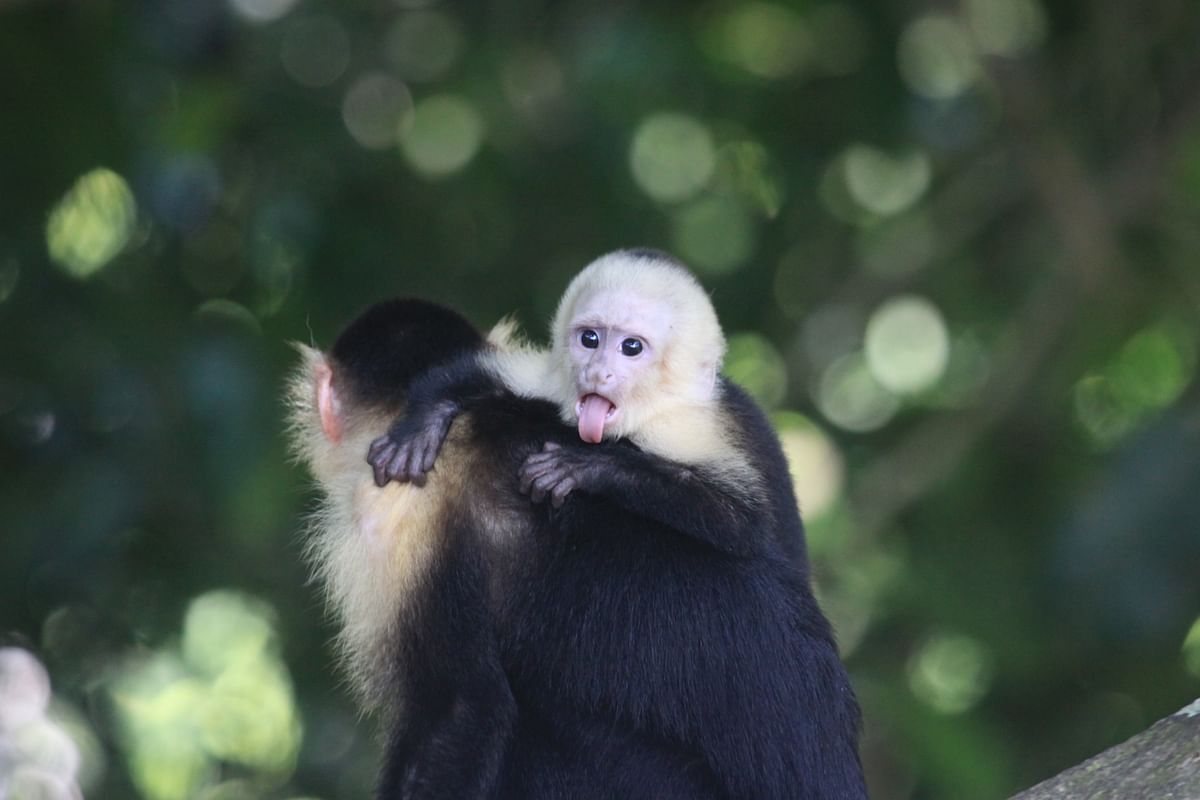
(635,337)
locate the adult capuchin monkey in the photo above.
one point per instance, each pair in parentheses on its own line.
(404,569)
(657,618)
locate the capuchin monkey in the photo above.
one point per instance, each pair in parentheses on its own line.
(424,581)
(404,569)
(656,620)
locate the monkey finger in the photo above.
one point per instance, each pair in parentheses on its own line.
(541,455)
(535,467)
(558,495)
(528,476)
(546,482)
(378,462)
(412,463)
(550,447)
(429,456)
(381,477)
(536,463)
(539,465)
(395,465)
(380,452)
(525,477)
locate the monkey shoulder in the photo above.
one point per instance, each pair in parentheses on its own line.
(755,438)
(490,439)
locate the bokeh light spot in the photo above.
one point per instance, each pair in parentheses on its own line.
(424,45)
(225,313)
(1152,368)
(1147,374)
(534,81)
(1100,411)
(315,51)
(883,184)
(374,108)
(764,39)
(92,223)
(24,688)
(1191,649)
(817,468)
(157,705)
(39,758)
(966,373)
(223,628)
(261,10)
(950,673)
(1006,27)
(937,58)
(228,699)
(250,717)
(747,167)
(35,428)
(278,250)
(531,78)
(753,363)
(672,156)
(716,234)
(442,135)
(907,345)
(10,276)
(850,397)
(831,332)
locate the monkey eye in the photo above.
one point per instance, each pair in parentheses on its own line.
(631,347)
(589,339)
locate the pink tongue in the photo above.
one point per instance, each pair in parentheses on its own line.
(591,418)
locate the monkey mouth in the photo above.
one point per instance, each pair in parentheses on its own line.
(594,412)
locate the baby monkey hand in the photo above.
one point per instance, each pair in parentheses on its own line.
(408,451)
(556,471)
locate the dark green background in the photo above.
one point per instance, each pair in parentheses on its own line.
(1014,557)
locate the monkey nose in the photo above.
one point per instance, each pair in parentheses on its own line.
(598,377)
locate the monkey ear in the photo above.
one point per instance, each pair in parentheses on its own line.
(328,404)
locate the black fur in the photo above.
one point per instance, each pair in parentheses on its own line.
(655,637)
(392,342)
(456,712)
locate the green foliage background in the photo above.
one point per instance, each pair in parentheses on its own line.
(1008,537)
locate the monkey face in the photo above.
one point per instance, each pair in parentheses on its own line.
(616,344)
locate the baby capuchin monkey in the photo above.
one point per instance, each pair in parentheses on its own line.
(634,357)
(662,607)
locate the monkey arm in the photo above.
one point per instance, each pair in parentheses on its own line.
(679,496)
(410,447)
